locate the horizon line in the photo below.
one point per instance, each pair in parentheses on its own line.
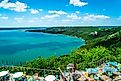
(55,26)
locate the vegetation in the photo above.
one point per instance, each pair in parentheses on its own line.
(102,44)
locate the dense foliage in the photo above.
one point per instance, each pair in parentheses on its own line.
(102,44)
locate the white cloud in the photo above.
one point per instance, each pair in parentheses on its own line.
(57,12)
(35,18)
(95,17)
(4,17)
(50,16)
(17,6)
(40,10)
(78,3)
(33,11)
(18,18)
(77,12)
(73,16)
(27,20)
(30,21)
(119,18)
(67,5)
(66,21)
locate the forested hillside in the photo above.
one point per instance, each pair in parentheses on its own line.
(102,44)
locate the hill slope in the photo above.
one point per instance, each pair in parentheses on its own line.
(102,44)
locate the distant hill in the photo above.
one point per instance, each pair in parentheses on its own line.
(94,36)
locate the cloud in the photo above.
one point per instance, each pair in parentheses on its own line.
(66,21)
(50,16)
(17,6)
(35,18)
(57,12)
(34,11)
(4,17)
(77,12)
(95,17)
(25,20)
(119,18)
(78,3)
(67,5)
(33,21)
(40,10)
(18,18)
(73,16)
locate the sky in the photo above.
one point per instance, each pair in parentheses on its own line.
(48,13)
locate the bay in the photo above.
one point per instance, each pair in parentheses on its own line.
(17,46)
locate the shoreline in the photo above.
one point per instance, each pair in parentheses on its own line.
(41,31)
(81,39)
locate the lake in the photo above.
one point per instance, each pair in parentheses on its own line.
(17,46)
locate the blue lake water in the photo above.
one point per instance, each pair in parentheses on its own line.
(17,46)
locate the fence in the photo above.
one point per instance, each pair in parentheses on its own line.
(44,72)
(29,71)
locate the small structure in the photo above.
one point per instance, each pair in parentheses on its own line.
(50,78)
(3,73)
(94,33)
(17,76)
